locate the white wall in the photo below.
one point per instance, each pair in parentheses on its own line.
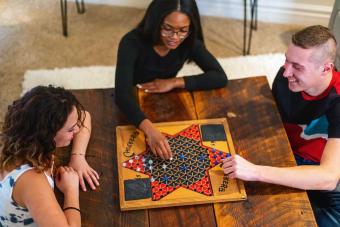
(278,11)
(128,3)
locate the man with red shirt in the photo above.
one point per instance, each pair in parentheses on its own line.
(307,92)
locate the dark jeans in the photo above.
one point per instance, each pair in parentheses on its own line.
(325,204)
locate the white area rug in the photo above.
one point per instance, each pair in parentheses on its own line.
(103,76)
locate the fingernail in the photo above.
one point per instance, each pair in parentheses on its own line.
(138,85)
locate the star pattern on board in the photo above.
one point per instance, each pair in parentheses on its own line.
(188,168)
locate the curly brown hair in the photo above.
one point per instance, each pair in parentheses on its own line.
(32,122)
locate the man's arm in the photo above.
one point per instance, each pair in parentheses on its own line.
(312,177)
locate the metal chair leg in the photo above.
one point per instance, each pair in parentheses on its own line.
(255,11)
(244,27)
(63,7)
(80,6)
(252,24)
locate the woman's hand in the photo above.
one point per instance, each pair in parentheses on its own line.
(67,180)
(80,165)
(162,85)
(238,167)
(156,140)
(159,144)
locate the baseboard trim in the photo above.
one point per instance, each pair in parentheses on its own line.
(126,3)
(289,11)
(270,11)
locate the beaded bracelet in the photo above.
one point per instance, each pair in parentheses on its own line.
(71,208)
(77,154)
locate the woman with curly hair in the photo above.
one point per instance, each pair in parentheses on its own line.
(43,119)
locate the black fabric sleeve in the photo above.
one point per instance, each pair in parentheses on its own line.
(213,76)
(334,119)
(128,52)
(280,93)
(276,82)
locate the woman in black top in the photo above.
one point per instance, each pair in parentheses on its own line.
(150,56)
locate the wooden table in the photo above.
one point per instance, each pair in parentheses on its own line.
(258,135)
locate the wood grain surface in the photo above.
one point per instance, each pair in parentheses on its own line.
(175,106)
(181,196)
(257,133)
(101,207)
(258,136)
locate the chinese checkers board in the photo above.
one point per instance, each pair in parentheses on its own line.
(192,176)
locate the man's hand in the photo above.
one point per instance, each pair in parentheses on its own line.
(238,167)
(156,140)
(162,85)
(80,165)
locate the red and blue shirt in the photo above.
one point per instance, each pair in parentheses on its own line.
(309,120)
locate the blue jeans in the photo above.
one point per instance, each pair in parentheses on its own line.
(325,204)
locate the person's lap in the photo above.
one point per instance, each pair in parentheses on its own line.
(325,204)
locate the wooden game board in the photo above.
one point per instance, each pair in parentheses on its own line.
(193,176)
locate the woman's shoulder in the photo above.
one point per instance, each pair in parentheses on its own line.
(197,49)
(132,44)
(198,45)
(31,174)
(33,179)
(27,172)
(31,186)
(15,173)
(132,37)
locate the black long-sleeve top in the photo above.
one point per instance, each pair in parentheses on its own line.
(137,62)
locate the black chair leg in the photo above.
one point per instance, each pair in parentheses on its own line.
(255,11)
(253,25)
(80,6)
(245,27)
(63,7)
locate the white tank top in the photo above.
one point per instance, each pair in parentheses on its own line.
(12,214)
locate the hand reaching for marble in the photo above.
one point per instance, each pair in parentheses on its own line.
(159,144)
(238,167)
